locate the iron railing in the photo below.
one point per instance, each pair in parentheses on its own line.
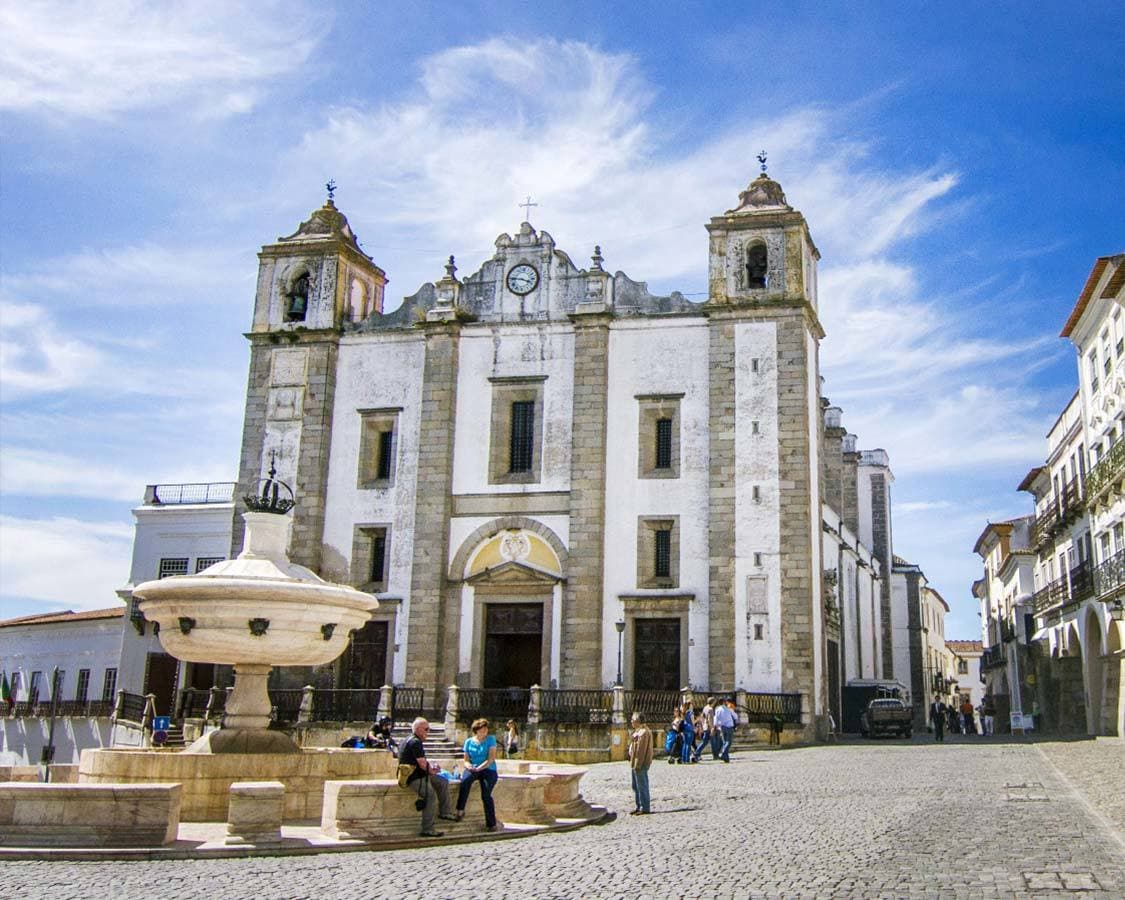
(770,707)
(655,706)
(1049,596)
(1109,469)
(993,657)
(593,706)
(407,702)
(498,704)
(169,494)
(1044,524)
(193,702)
(286,704)
(1109,577)
(1071,501)
(345,704)
(71,708)
(132,707)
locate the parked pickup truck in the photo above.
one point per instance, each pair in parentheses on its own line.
(887,715)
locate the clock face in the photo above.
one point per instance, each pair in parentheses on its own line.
(522,279)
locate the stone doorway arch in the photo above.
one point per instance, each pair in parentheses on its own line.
(1093,672)
(1115,664)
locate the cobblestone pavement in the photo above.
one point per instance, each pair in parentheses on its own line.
(879,819)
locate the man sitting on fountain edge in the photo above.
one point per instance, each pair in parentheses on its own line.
(425,780)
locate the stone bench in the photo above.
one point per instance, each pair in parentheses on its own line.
(255,813)
(89,815)
(561,796)
(381,810)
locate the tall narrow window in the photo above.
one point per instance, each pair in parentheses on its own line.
(757,266)
(36,677)
(383,469)
(379,556)
(109,686)
(522,441)
(663,443)
(82,689)
(662,553)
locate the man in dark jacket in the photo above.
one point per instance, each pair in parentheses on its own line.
(937,718)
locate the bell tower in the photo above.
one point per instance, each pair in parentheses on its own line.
(767,627)
(311,284)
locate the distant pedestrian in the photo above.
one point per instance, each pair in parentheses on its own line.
(675,741)
(640,759)
(726,721)
(968,726)
(687,746)
(714,739)
(937,718)
(511,740)
(988,713)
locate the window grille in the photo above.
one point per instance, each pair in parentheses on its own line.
(662,563)
(523,436)
(205,562)
(663,443)
(109,685)
(82,689)
(169,567)
(383,469)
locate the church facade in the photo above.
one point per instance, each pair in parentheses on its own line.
(541,468)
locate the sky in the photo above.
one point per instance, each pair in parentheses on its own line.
(960,170)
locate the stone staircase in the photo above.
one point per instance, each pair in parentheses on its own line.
(438,747)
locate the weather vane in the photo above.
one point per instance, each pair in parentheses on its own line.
(762,160)
(331,186)
(526,206)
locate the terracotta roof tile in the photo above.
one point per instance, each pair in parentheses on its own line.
(68,616)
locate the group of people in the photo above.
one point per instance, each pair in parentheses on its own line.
(959,718)
(692,731)
(688,735)
(426,778)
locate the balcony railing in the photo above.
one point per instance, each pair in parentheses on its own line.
(345,705)
(132,707)
(1045,523)
(769,707)
(993,657)
(1072,501)
(1049,597)
(1109,577)
(201,492)
(655,706)
(1108,472)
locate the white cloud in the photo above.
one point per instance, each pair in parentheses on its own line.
(34,473)
(35,357)
(145,274)
(103,57)
(66,563)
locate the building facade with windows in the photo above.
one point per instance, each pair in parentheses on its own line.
(518,460)
(180,529)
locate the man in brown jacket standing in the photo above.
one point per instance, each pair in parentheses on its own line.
(640,758)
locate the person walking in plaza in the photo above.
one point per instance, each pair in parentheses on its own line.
(675,740)
(687,747)
(968,726)
(988,713)
(480,766)
(726,721)
(702,736)
(937,718)
(511,740)
(425,779)
(640,759)
(713,738)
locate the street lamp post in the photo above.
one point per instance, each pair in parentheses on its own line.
(620,626)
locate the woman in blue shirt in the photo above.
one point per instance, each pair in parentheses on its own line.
(480,765)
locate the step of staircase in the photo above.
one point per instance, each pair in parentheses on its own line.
(438,746)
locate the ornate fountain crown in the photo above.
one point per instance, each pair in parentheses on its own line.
(274,496)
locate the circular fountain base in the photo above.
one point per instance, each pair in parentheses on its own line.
(244,740)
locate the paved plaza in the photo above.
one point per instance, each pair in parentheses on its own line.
(881,819)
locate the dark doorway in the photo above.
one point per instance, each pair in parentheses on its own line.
(656,654)
(513,645)
(366,659)
(160,679)
(834,683)
(200,676)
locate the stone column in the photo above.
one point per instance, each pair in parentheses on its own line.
(721,521)
(452,707)
(386,702)
(305,710)
(581,643)
(430,642)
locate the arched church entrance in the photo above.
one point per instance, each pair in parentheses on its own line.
(1072,695)
(511,573)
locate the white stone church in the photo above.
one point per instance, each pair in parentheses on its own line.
(540,464)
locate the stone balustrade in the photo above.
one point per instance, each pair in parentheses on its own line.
(89,815)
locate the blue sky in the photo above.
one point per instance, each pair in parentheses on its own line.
(960,170)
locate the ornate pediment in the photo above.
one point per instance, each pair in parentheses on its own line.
(514,572)
(324,222)
(763,193)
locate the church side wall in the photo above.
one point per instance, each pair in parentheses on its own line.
(681,346)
